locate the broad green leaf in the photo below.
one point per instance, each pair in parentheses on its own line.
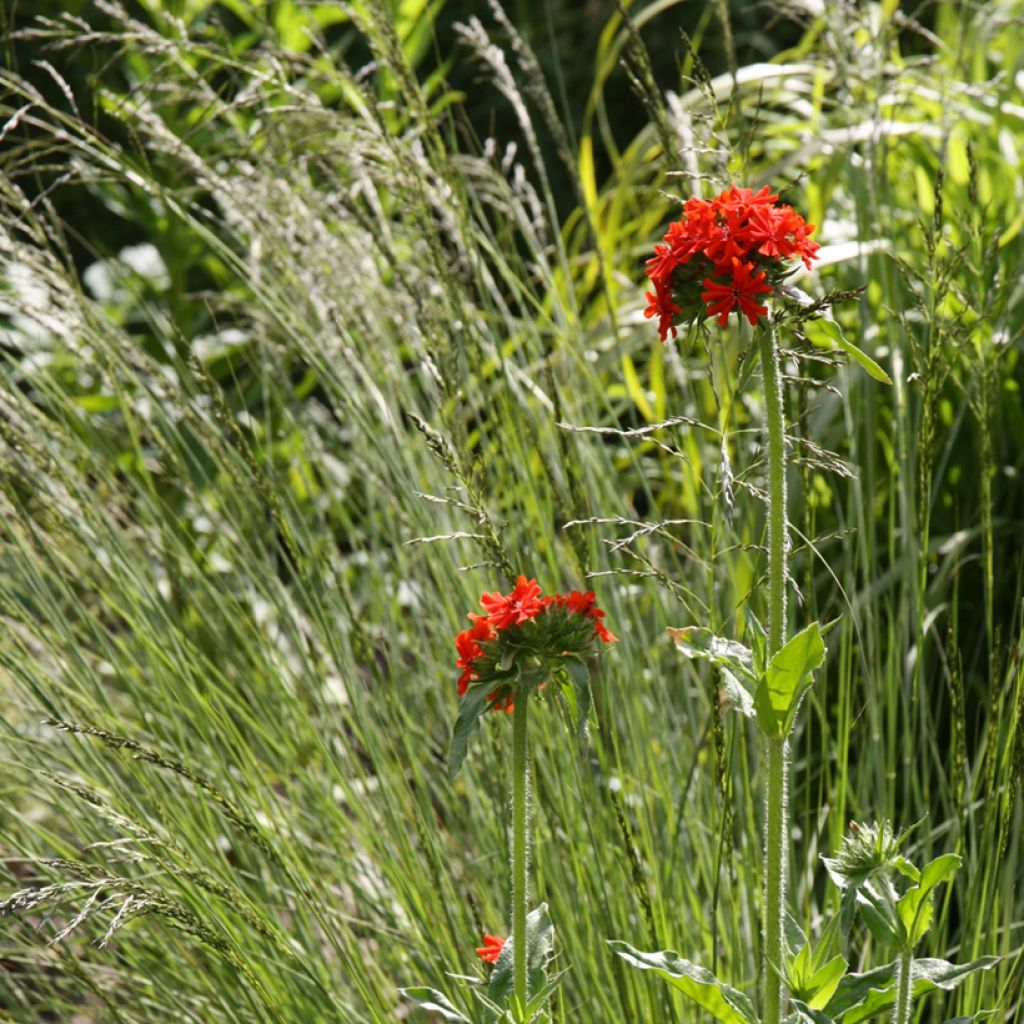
(860,1003)
(813,980)
(779,692)
(472,705)
(824,982)
(436,1002)
(828,334)
(698,983)
(915,906)
(854,989)
(540,942)
(735,661)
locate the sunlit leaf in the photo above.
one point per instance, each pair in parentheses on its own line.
(828,334)
(698,983)
(436,1002)
(780,690)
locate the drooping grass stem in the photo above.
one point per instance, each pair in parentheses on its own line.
(520,825)
(776,749)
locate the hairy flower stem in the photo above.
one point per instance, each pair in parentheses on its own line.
(520,824)
(776,748)
(904,989)
(776,861)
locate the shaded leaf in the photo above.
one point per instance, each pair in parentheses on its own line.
(472,705)
(698,983)
(876,901)
(579,706)
(804,1014)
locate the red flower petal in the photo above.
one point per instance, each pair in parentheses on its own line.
(491,949)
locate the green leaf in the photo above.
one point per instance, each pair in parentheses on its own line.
(735,661)
(580,705)
(796,941)
(472,705)
(700,642)
(828,334)
(779,691)
(804,1014)
(812,978)
(436,1002)
(539,1000)
(860,1002)
(854,989)
(540,943)
(876,901)
(824,982)
(915,906)
(722,1002)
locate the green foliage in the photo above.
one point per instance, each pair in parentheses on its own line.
(225,538)
(697,983)
(785,680)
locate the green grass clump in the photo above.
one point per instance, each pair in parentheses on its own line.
(355,365)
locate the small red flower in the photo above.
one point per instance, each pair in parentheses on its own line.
(740,291)
(584,604)
(522,603)
(467,643)
(491,949)
(662,306)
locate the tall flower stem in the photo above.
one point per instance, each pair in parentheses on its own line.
(904,989)
(776,748)
(520,824)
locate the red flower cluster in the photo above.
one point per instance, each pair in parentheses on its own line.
(491,949)
(522,604)
(722,255)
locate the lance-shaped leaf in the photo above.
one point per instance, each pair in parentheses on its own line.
(436,1002)
(876,901)
(472,705)
(861,997)
(816,987)
(828,334)
(540,943)
(720,1000)
(915,906)
(578,699)
(788,675)
(735,662)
